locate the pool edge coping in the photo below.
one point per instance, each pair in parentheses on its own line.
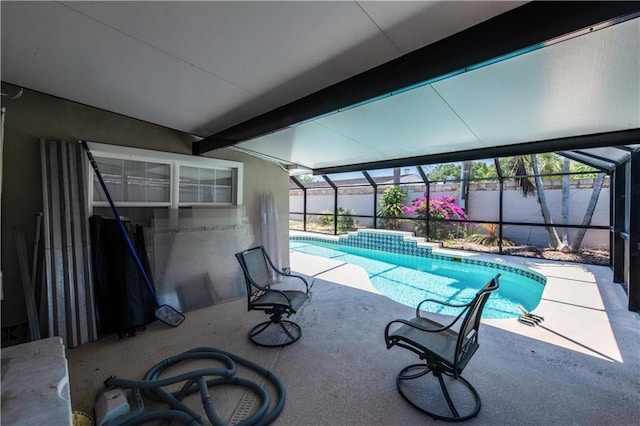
(440,253)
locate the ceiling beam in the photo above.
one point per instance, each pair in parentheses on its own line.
(603,166)
(597,140)
(525,27)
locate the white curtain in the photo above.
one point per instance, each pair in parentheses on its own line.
(269,227)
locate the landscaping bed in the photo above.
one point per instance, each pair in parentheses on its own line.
(584,255)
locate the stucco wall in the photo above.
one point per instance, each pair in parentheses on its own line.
(34,116)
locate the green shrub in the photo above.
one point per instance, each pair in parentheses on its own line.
(346,223)
(491,238)
(326,218)
(391,205)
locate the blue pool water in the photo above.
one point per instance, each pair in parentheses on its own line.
(410,279)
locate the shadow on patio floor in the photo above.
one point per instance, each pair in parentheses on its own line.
(580,368)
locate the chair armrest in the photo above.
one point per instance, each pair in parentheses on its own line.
(463,307)
(285,274)
(396,341)
(291,282)
(440,302)
(306,284)
(413,325)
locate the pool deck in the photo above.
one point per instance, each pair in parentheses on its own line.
(572,304)
(585,351)
(578,367)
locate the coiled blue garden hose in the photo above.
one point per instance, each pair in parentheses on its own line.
(152,387)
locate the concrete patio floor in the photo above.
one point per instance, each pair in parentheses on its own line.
(581,366)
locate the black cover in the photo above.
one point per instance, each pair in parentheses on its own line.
(122,297)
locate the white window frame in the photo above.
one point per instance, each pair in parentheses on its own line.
(193,203)
(100,150)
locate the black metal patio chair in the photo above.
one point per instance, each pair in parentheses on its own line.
(275,292)
(446,349)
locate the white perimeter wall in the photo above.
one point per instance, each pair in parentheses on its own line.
(483,205)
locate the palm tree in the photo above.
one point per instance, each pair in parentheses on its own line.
(544,206)
(586,220)
(518,168)
(519,171)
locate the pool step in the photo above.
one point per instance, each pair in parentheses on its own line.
(421,241)
(388,240)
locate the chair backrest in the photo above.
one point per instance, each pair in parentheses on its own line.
(256,270)
(471,321)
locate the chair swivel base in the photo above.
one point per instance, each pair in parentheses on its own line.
(288,333)
(468,390)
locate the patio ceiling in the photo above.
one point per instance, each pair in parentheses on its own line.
(579,91)
(332,86)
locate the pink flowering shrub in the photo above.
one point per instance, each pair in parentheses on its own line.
(440,208)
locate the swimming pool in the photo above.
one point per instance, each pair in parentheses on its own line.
(409,279)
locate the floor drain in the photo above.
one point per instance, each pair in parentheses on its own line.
(246,405)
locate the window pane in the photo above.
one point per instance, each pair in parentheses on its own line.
(207,176)
(158,171)
(159,191)
(134,179)
(109,166)
(223,177)
(111,171)
(206,193)
(158,182)
(114,187)
(223,194)
(141,183)
(205,185)
(134,169)
(135,190)
(188,175)
(188,193)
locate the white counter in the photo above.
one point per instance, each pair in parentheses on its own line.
(35,384)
